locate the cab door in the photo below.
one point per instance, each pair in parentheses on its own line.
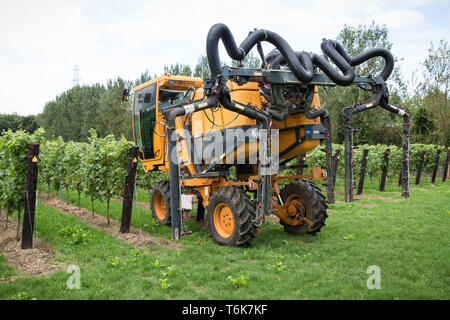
(144,117)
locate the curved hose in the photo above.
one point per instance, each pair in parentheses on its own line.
(281,105)
(217,32)
(301,64)
(303,70)
(376,52)
(271,55)
(177,111)
(226,102)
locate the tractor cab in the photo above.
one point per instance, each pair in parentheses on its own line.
(150,99)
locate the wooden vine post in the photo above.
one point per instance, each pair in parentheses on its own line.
(362,172)
(127,204)
(335,165)
(419,170)
(30,194)
(385,169)
(301,163)
(436,166)
(445,173)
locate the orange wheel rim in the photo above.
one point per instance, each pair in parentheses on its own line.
(160,206)
(291,201)
(223,220)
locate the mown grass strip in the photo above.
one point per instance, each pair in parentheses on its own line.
(132,277)
(407,239)
(140,218)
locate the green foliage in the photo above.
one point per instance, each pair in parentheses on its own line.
(104,166)
(98,168)
(349,237)
(144,77)
(52,169)
(77,234)
(15,122)
(179,70)
(157,264)
(147,180)
(375,158)
(13,167)
(80,108)
(113,261)
(201,70)
(171,270)
(163,283)
(376,125)
(250,61)
(238,282)
(73,163)
(137,256)
(278,266)
(21,296)
(114,115)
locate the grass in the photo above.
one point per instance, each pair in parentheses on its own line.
(140,218)
(407,239)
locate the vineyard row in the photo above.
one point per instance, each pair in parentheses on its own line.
(99,167)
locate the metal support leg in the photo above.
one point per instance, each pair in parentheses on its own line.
(174,181)
(329,159)
(348,155)
(405,162)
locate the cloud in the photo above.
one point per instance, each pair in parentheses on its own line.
(41,41)
(398,18)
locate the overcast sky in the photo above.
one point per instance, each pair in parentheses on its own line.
(41,41)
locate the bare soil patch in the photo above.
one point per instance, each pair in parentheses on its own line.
(202,223)
(135,237)
(38,261)
(368,205)
(422,189)
(373,196)
(273,218)
(141,204)
(368,196)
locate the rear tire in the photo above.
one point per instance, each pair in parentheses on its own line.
(160,203)
(230,217)
(313,202)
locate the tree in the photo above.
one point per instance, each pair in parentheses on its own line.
(144,77)
(250,61)
(377,125)
(114,114)
(435,89)
(202,68)
(72,113)
(15,122)
(179,70)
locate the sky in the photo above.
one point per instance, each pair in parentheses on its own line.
(42,41)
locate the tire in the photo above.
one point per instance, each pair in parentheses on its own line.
(230,216)
(313,204)
(160,203)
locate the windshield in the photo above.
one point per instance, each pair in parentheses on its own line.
(169,97)
(144,110)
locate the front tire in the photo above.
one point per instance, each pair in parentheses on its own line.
(160,203)
(230,217)
(309,196)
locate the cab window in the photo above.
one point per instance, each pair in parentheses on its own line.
(169,97)
(147,119)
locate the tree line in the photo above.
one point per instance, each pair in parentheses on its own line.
(99,106)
